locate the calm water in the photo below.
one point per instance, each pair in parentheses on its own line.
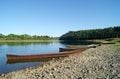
(24,49)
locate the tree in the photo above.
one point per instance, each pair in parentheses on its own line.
(2,36)
(110,32)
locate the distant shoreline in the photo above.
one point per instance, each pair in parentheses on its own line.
(29,40)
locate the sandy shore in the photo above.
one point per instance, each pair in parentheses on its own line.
(95,63)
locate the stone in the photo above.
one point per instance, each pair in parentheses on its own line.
(79,78)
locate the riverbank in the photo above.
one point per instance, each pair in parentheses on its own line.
(7,41)
(95,63)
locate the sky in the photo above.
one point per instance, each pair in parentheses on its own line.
(56,17)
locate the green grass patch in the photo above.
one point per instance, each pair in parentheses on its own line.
(111,40)
(99,40)
(117,44)
(116,41)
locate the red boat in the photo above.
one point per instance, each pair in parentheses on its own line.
(38,57)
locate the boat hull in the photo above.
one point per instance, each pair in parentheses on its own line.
(38,57)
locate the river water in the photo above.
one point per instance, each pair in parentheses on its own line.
(25,49)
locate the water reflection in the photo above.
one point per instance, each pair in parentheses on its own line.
(23,48)
(78,42)
(22,43)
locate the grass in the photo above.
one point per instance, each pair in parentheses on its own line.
(117,44)
(116,41)
(98,40)
(111,40)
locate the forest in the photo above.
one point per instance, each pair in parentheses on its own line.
(111,32)
(24,37)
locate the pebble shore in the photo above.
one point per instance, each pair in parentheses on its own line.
(102,62)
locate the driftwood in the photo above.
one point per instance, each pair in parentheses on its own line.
(108,43)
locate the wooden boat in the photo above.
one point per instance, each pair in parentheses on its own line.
(66,49)
(78,47)
(13,61)
(40,56)
(83,46)
(71,49)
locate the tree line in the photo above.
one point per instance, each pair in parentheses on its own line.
(24,37)
(111,32)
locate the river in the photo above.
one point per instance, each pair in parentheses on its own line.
(23,48)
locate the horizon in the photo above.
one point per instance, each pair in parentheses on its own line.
(61,35)
(56,17)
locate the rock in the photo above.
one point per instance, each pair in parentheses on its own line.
(3,75)
(47,72)
(111,65)
(54,69)
(67,67)
(43,76)
(79,78)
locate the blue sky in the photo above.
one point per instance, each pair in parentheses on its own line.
(56,17)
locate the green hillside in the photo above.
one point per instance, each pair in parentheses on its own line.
(111,32)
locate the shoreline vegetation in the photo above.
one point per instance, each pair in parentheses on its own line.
(94,63)
(25,37)
(50,40)
(111,32)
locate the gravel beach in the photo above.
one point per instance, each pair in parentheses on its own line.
(102,62)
